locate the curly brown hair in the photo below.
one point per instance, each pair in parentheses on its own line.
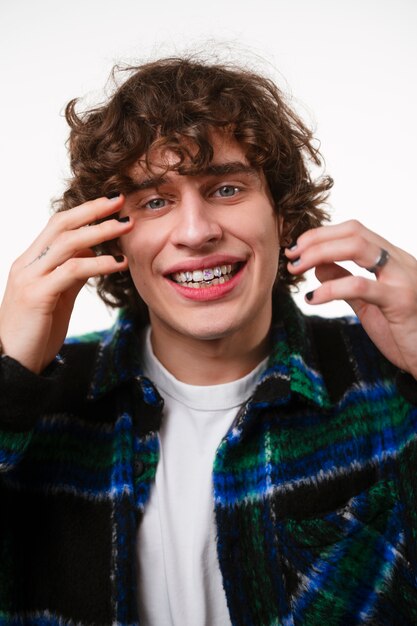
(175,103)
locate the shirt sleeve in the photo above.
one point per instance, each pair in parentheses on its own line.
(407,386)
(24,397)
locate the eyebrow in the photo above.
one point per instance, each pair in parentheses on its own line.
(221,169)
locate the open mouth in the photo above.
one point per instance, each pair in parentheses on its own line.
(207,277)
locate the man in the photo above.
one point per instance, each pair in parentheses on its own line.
(217,457)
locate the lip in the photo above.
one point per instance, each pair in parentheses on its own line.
(191,265)
(215,292)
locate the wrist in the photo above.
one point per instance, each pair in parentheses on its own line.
(27,362)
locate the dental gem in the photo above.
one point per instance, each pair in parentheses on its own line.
(208,274)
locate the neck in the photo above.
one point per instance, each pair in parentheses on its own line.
(209,361)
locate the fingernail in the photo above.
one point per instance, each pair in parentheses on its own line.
(119,258)
(113,195)
(296,261)
(293,247)
(309,295)
(123,219)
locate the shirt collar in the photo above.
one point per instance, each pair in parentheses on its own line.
(118,356)
(291,369)
(292,365)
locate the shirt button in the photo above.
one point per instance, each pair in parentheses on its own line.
(138,467)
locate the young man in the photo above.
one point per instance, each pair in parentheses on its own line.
(217,457)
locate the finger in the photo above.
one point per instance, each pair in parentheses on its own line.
(76,269)
(397,266)
(87,213)
(362,252)
(79,216)
(330,271)
(359,291)
(70,243)
(350,228)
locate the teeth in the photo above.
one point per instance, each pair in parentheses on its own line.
(206,277)
(197,276)
(204,285)
(208,274)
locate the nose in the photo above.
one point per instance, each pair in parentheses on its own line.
(196,223)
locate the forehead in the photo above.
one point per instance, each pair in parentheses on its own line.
(160,160)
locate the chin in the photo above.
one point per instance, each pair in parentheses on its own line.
(218,327)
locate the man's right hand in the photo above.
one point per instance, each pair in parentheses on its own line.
(45,280)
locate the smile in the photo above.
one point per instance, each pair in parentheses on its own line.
(207,277)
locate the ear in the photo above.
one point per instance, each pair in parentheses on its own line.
(286,232)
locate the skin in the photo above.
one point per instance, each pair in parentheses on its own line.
(45,280)
(192,222)
(387,306)
(216,340)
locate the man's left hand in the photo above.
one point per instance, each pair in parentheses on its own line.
(387,306)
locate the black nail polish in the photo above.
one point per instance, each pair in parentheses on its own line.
(296,261)
(119,258)
(123,219)
(112,195)
(309,295)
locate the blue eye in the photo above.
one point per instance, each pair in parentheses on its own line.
(155,203)
(227,191)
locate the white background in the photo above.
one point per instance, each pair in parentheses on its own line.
(349,64)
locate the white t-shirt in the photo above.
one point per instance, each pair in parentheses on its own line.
(180,583)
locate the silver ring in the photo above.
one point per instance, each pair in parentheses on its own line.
(380,262)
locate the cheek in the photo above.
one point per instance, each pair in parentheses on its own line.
(257,220)
(139,246)
(272,232)
(266,246)
(262,235)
